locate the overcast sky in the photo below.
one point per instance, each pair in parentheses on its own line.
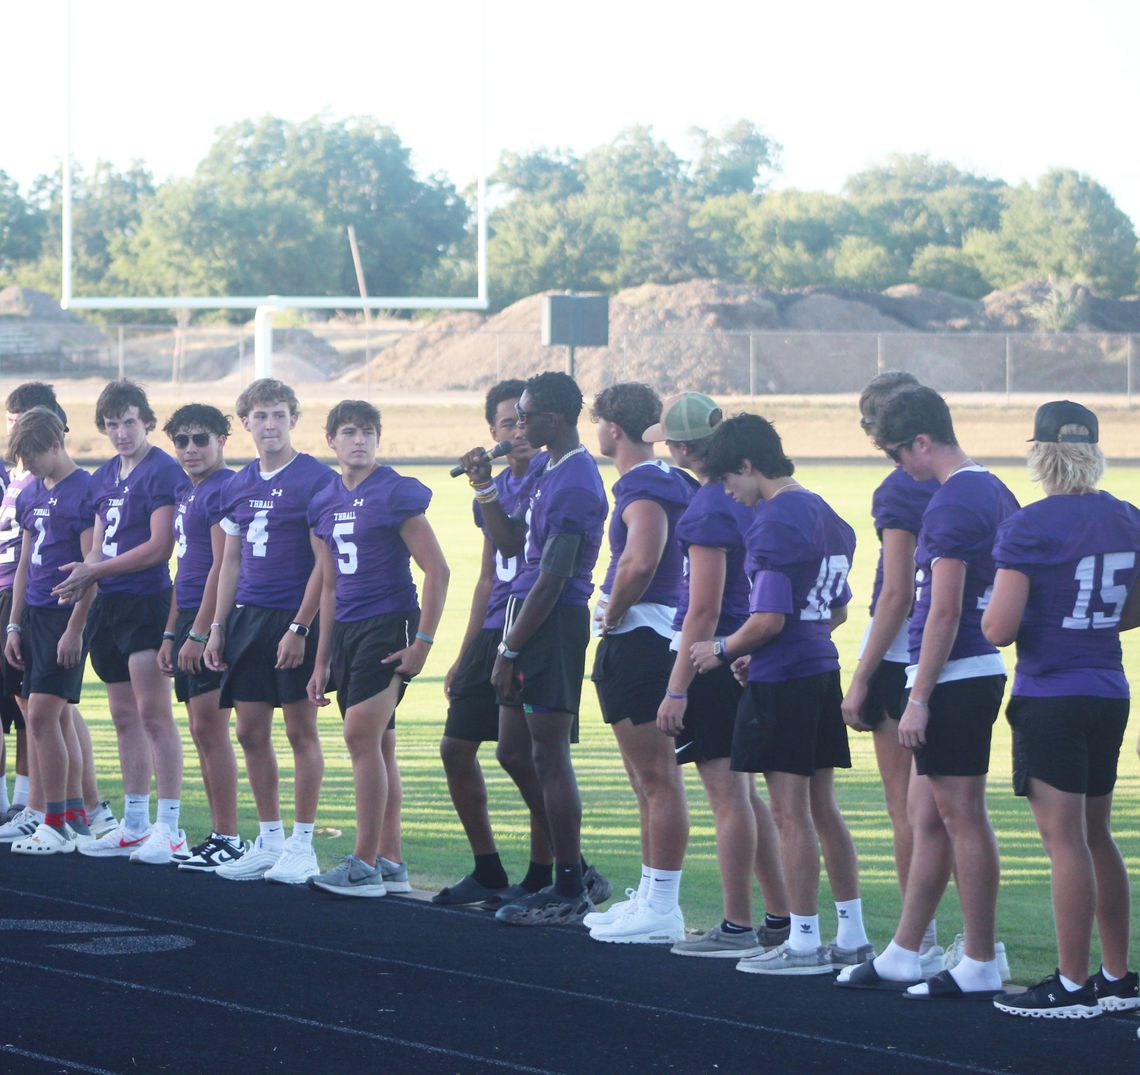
(1004,88)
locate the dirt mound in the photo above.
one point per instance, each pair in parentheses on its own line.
(35,305)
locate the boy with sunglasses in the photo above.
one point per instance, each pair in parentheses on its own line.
(199,432)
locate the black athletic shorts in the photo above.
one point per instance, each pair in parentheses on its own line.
(962,715)
(553,663)
(795,726)
(11,677)
(710,717)
(252,636)
(631,672)
(187,685)
(121,624)
(358,652)
(885,694)
(43,628)
(472,711)
(1071,743)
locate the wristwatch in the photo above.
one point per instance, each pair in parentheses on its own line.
(506,651)
(299,629)
(719,652)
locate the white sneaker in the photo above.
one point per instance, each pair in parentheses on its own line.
(612,913)
(296,865)
(45,841)
(253,865)
(160,846)
(119,841)
(957,950)
(23,824)
(643,925)
(100,820)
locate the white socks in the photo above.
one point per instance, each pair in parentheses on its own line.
(664,890)
(898,964)
(849,932)
(5,805)
(168,811)
(303,833)
(21,790)
(645,884)
(805,933)
(272,835)
(930,937)
(136,812)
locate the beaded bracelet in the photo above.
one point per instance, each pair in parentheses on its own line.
(15,627)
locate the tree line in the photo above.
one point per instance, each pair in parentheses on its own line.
(266,211)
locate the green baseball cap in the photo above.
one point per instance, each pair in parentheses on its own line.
(685,417)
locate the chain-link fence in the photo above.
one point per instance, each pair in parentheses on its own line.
(408,356)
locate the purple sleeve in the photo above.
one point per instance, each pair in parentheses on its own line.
(895,506)
(771,592)
(1018,545)
(715,529)
(573,511)
(952,531)
(409,497)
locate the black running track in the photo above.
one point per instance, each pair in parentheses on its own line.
(113,967)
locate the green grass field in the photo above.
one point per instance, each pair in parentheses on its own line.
(433,841)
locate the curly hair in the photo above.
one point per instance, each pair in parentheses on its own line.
(198,416)
(632,405)
(556,392)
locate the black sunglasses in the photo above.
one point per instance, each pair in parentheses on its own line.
(894,449)
(526,416)
(182,440)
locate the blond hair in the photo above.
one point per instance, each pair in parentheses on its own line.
(1068,466)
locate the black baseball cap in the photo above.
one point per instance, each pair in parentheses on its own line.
(1052,417)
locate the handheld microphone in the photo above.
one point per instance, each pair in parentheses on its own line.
(500,449)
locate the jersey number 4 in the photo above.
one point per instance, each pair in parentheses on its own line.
(1098,573)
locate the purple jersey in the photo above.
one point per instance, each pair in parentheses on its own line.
(197,508)
(672,489)
(960,523)
(55,518)
(125,506)
(566,498)
(511,492)
(10,537)
(799,555)
(362,528)
(272,517)
(713,519)
(898,504)
(1080,554)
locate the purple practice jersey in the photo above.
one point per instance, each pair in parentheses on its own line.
(898,504)
(511,493)
(672,489)
(799,555)
(566,498)
(960,523)
(55,518)
(362,528)
(713,519)
(10,527)
(1080,554)
(272,517)
(125,506)
(197,508)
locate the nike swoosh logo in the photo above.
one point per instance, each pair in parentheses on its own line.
(132,843)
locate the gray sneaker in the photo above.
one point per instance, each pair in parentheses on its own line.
(350,877)
(849,957)
(716,944)
(597,885)
(957,950)
(770,938)
(394,875)
(545,908)
(789,961)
